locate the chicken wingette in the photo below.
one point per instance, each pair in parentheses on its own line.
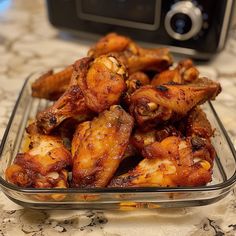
(44,165)
(52,85)
(100,148)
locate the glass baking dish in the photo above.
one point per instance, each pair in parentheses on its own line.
(224,172)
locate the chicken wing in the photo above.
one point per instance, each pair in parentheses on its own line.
(109,43)
(70,105)
(103,83)
(44,165)
(185,72)
(153,105)
(131,55)
(172,162)
(100,150)
(52,85)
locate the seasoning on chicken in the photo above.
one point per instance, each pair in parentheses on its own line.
(102,147)
(197,124)
(172,162)
(134,82)
(44,165)
(140,138)
(70,105)
(185,72)
(153,105)
(103,83)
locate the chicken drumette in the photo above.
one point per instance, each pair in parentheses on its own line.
(154,105)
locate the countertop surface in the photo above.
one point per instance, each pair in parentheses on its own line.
(27,44)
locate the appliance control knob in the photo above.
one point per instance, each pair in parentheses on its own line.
(183,21)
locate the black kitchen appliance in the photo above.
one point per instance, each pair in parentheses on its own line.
(196,28)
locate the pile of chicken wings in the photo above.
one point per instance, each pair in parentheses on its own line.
(124,116)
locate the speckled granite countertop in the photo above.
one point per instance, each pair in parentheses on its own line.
(28,43)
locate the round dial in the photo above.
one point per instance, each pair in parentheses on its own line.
(183,21)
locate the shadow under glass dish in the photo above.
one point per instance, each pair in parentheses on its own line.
(224,172)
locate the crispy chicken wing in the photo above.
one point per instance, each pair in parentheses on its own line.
(44,165)
(131,55)
(185,72)
(172,162)
(70,105)
(100,148)
(109,43)
(103,83)
(52,85)
(152,105)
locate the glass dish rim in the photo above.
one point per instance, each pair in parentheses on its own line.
(129,190)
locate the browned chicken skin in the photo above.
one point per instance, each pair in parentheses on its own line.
(52,85)
(198,124)
(172,162)
(100,151)
(185,72)
(131,55)
(141,138)
(134,82)
(70,104)
(43,166)
(152,105)
(103,83)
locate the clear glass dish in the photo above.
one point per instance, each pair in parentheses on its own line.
(224,172)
